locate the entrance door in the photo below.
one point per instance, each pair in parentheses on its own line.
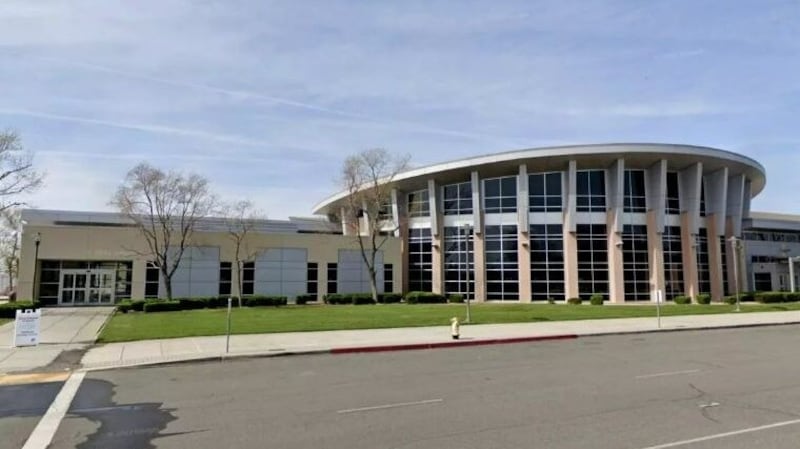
(80,287)
(73,288)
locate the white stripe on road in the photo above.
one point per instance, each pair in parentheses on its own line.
(724,435)
(669,373)
(382,407)
(43,434)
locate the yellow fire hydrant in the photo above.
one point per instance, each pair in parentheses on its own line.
(454,328)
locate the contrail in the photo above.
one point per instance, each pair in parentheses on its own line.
(280,100)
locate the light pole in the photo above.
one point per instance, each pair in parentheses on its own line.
(792,285)
(37,240)
(467,230)
(735,248)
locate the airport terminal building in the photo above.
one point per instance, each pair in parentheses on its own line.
(626,221)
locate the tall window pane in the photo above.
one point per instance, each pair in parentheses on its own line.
(591,191)
(458,261)
(673,194)
(419,204)
(635,197)
(502,267)
(457,198)
(547,262)
(500,195)
(636,266)
(723,246)
(673,262)
(703,269)
(592,260)
(420,274)
(544,192)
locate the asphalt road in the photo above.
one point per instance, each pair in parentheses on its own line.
(632,391)
(21,407)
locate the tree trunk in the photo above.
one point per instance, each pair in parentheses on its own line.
(373,283)
(168,285)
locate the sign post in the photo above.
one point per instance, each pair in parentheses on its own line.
(228,331)
(26,327)
(659,300)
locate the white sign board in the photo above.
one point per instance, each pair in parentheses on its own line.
(26,327)
(659,296)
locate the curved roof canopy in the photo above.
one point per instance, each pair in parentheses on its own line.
(636,155)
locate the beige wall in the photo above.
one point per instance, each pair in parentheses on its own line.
(97,243)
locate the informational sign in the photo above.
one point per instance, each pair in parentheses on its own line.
(26,327)
(659,296)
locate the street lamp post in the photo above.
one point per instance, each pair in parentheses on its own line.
(37,240)
(792,285)
(467,230)
(735,248)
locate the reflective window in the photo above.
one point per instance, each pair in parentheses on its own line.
(225,278)
(388,278)
(591,191)
(502,267)
(333,277)
(724,246)
(635,263)
(312,278)
(457,198)
(673,194)
(248,278)
(673,262)
(547,262)
(420,274)
(500,195)
(458,259)
(635,197)
(592,260)
(152,276)
(702,198)
(763,282)
(419,204)
(544,190)
(703,268)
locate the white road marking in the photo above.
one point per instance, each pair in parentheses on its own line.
(43,434)
(382,407)
(725,434)
(669,373)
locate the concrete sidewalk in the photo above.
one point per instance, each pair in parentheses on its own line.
(62,329)
(199,348)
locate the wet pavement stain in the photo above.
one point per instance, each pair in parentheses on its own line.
(27,400)
(121,425)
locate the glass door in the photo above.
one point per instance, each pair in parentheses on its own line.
(101,287)
(73,288)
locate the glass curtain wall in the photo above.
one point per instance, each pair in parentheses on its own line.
(544,192)
(547,262)
(673,262)
(635,263)
(420,274)
(703,269)
(457,199)
(592,260)
(502,265)
(723,246)
(635,197)
(459,261)
(500,195)
(419,204)
(673,194)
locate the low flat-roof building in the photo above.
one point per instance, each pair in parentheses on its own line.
(626,221)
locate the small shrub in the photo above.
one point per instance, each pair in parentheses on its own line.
(596,300)
(425,298)
(551,300)
(359,299)
(124,306)
(455,298)
(264,301)
(574,301)
(390,298)
(770,297)
(731,300)
(9,310)
(162,306)
(682,300)
(138,305)
(193,303)
(747,297)
(704,299)
(304,299)
(334,298)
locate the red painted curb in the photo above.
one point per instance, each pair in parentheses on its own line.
(450,344)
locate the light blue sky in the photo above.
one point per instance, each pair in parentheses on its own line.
(266,98)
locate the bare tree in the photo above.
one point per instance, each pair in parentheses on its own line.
(165,208)
(9,244)
(367,177)
(241,218)
(17,175)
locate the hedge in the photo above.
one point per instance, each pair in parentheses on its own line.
(390,298)
(303,299)
(264,300)
(9,310)
(703,298)
(193,303)
(162,306)
(596,300)
(425,298)
(574,301)
(682,300)
(138,305)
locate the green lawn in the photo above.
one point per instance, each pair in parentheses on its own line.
(141,326)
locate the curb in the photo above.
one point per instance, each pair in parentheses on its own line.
(418,346)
